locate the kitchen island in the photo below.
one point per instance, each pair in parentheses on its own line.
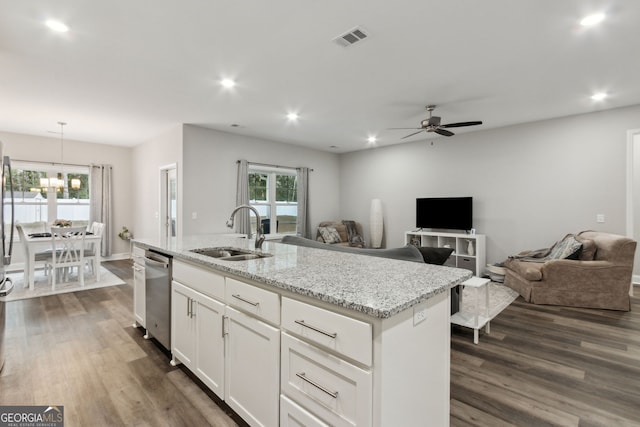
(313,337)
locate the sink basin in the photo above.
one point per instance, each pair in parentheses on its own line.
(230,254)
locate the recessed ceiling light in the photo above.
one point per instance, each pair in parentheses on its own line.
(598,96)
(372,139)
(228,83)
(57,26)
(292,117)
(594,19)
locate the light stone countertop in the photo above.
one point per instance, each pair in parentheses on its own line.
(378,287)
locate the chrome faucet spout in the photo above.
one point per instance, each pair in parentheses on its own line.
(259,231)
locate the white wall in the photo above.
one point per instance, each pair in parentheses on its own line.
(147,160)
(531,183)
(46,149)
(209,176)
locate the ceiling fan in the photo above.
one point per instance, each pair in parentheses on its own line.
(432,124)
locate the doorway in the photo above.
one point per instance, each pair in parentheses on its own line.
(169,202)
(633,196)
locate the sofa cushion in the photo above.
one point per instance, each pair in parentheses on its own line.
(568,247)
(329,234)
(435,255)
(531,271)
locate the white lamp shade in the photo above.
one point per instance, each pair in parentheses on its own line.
(376,223)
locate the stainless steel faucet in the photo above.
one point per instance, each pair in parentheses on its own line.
(259,231)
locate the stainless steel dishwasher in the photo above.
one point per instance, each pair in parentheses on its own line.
(158,296)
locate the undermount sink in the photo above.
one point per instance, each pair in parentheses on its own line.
(230,254)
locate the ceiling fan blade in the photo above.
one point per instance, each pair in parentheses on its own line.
(443,132)
(404,128)
(415,133)
(458,125)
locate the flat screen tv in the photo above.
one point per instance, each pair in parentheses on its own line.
(454,213)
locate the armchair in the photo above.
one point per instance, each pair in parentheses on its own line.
(595,280)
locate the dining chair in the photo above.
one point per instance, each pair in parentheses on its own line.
(39,257)
(67,247)
(97,229)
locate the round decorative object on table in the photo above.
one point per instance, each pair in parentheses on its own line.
(376,223)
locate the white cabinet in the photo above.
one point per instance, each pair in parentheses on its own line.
(293,415)
(252,362)
(469,250)
(196,335)
(139,312)
(337,391)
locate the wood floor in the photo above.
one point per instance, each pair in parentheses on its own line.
(540,366)
(549,366)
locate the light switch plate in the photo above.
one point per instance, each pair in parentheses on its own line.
(600,218)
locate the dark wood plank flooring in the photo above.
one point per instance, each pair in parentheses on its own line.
(540,366)
(80,350)
(549,366)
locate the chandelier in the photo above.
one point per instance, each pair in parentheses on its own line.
(54,182)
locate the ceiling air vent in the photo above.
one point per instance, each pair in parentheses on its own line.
(351,37)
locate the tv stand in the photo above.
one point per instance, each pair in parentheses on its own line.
(460,258)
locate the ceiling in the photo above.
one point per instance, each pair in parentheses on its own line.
(128,70)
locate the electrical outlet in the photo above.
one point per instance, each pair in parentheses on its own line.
(194,215)
(419,315)
(600,218)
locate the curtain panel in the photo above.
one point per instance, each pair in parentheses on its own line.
(302,223)
(101,201)
(243,217)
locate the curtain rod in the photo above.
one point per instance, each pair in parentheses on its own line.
(48,163)
(272,166)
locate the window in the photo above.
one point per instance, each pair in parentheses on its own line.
(273,192)
(36,202)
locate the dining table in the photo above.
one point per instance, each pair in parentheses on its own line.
(39,242)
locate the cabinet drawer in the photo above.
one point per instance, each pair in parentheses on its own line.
(199,279)
(292,415)
(254,300)
(333,389)
(347,336)
(468,263)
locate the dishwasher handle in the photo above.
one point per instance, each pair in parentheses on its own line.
(153,262)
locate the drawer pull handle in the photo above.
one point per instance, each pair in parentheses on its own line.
(253,303)
(303,377)
(313,328)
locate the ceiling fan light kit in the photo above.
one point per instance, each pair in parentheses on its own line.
(432,124)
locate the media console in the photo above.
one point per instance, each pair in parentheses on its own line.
(469,250)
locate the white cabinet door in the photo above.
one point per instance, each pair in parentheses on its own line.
(252,385)
(210,343)
(139,312)
(183,325)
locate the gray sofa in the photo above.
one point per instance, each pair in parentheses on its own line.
(405,253)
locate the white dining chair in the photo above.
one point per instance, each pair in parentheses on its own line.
(90,253)
(40,258)
(67,245)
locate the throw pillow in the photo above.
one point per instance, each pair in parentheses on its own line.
(330,234)
(566,248)
(435,255)
(588,249)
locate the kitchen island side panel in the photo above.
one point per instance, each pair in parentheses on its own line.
(411,366)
